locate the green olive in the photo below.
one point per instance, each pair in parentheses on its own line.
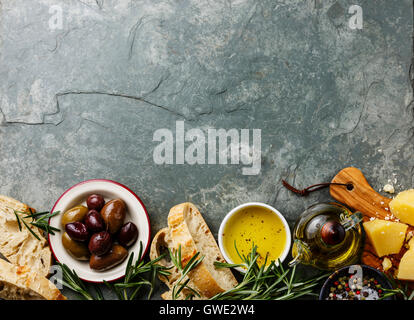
(76,249)
(75,214)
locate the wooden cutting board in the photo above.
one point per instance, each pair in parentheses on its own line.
(362,197)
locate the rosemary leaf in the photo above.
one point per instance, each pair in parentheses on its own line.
(18,220)
(218,264)
(30,230)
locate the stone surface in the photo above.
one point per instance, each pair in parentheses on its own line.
(84,101)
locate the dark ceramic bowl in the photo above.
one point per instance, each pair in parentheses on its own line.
(347,271)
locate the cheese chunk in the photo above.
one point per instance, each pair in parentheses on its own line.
(411,243)
(402,206)
(386,264)
(387,237)
(406,267)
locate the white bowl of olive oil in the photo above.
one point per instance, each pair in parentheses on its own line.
(254,224)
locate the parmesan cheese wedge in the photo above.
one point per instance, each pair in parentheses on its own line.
(402,206)
(411,243)
(406,267)
(387,237)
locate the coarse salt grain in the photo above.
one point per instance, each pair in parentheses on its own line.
(389,188)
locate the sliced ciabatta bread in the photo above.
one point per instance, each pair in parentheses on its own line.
(160,245)
(20,247)
(19,283)
(189,230)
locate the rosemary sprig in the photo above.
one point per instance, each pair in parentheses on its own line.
(39,220)
(72,281)
(272,282)
(182,282)
(134,280)
(136,274)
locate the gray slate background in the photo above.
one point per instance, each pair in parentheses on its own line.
(83,102)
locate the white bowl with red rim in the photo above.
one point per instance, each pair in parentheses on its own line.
(135,213)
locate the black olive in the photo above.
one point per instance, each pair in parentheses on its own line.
(77,231)
(100,243)
(94,221)
(128,234)
(95,202)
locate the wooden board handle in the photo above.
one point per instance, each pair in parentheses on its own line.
(362,197)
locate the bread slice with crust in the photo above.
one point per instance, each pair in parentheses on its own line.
(19,283)
(20,247)
(190,231)
(160,245)
(187,228)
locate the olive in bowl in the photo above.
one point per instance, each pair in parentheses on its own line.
(76,249)
(77,231)
(115,256)
(94,221)
(95,202)
(100,243)
(113,213)
(128,234)
(75,214)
